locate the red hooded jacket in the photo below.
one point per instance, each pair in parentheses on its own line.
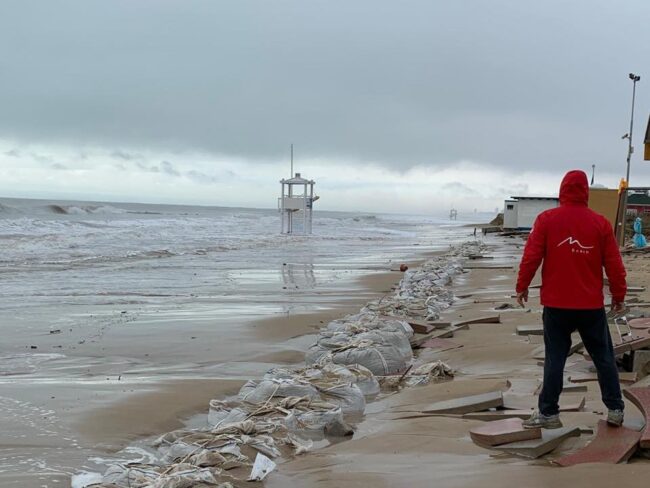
(575,244)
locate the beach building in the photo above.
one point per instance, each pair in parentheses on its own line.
(638,203)
(519,213)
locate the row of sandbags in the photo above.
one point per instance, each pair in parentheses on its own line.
(281,414)
(278,416)
(376,337)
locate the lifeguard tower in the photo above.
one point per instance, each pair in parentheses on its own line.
(296,204)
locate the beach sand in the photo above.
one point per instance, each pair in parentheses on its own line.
(390,449)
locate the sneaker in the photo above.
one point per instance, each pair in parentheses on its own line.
(538,419)
(615,417)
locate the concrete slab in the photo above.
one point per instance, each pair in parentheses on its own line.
(524,330)
(502,432)
(640,397)
(611,445)
(534,448)
(468,404)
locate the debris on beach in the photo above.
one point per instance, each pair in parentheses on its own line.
(436,370)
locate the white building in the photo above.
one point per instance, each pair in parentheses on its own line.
(520,212)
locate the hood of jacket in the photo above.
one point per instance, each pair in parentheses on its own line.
(574,189)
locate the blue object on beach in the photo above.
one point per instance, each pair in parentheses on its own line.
(639,238)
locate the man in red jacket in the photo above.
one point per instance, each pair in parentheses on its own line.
(575,244)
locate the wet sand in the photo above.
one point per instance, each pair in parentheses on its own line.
(113,384)
(391,450)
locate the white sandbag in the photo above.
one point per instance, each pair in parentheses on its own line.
(365,380)
(260,392)
(348,397)
(313,421)
(220,414)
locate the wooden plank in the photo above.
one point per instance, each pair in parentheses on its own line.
(526,330)
(640,397)
(611,445)
(473,403)
(503,432)
(534,448)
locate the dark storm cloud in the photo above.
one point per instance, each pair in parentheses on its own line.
(526,85)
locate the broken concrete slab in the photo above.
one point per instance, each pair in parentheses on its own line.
(524,330)
(640,397)
(503,432)
(534,448)
(611,445)
(468,404)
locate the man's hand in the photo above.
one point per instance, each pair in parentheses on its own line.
(617,307)
(522,297)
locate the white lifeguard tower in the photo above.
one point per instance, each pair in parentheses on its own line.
(296,204)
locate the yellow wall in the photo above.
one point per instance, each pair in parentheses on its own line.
(605,202)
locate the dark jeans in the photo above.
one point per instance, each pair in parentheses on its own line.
(559,323)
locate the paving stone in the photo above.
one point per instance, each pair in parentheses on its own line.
(611,445)
(503,432)
(640,397)
(473,403)
(534,448)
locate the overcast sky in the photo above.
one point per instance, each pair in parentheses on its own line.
(403,106)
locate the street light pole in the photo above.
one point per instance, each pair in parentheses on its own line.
(630,148)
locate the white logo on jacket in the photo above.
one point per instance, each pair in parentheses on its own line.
(573,242)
